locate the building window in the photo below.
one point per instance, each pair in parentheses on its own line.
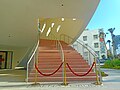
(96,45)
(95,37)
(84,38)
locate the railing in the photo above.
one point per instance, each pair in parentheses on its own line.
(59,47)
(31,61)
(87,52)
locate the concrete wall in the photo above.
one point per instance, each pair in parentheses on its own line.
(18,54)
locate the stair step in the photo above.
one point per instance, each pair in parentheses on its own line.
(58,63)
(46,70)
(49,55)
(59,74)
(45,60)
(56,60)
(56,66)
(55,53)
(49,58)
(60,79)
(44,51)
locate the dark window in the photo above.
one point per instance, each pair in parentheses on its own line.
(96,45)
(84,38)
(95,37)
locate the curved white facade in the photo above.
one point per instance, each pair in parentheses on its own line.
(18,21)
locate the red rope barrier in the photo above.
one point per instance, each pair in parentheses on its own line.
(48,74)
(82,74)
(1,60)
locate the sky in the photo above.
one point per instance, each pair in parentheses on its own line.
(107,15)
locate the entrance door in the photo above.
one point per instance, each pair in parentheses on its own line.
(2,60)
(6,59)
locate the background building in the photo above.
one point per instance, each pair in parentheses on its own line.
(95,39)
(116,40)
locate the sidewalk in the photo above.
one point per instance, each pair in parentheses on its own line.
(73,86)
(111,82)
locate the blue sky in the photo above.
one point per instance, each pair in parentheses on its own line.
(106,16)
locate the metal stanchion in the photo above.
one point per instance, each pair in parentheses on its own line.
(64,75)
(36,55)
(97,77)
(35,81)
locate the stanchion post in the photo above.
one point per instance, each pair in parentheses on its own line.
(36,62)
(37,52)
(35,75)
(64,74)
(36,72)
(97,77)
(65,81)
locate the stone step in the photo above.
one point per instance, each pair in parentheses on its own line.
(51,70)
(59,74)
(60,79)
(56,66)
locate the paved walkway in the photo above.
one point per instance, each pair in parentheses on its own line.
(111,82)
(114,75)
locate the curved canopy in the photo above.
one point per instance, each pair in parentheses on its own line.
(18,19)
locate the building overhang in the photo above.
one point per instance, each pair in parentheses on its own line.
(18,19)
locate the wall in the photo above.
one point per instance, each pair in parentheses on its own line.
(18,53)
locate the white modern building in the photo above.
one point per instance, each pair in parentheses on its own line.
(94,39)
(18,24)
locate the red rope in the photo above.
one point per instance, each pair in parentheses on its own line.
(48,74)
(1,60)
(79,74)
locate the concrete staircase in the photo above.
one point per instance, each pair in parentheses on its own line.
(49,60)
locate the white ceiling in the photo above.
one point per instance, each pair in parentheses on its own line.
(18,18)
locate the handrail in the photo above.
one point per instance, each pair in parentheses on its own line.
(96,56)
(59,46)
(87,46)
(33,53)
(78,41)
(32,57)
(35,50)
(62,52)
(90,50)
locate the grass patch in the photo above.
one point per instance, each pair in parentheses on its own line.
(103,74)
(112,64)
